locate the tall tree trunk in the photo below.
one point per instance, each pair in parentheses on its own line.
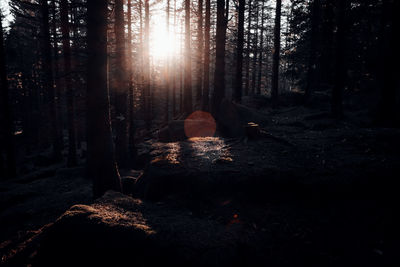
(49,80)
(219,74)
(101,165)
(340,66)
(388,112)
(247,67)
(237,95)
(131,125)
(255,51)
(261,51)
(174,72)
(8,141)
(167,74)
(187,102)
(275,56)
(206,68)
(71,160)
(200,52)
(121,89)
(146,64)
(57,80)
(314,45)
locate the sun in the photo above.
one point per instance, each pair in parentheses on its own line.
(162,43)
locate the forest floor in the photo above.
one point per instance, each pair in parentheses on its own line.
(307,193)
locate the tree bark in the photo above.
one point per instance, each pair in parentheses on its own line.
(131,94)
(167,74)
(101,165)
(341,65)
(49,80)
(312,64)
(237,95)
(247,67)
(388,113)
(71,160)
(187,102)
(261,50)
(206,76)
(146,65)
(276,54)
(8,141)
(121,87)
(200,64)
(219,74)
(255,51)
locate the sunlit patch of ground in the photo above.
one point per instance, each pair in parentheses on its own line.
(212,149)
(169,152)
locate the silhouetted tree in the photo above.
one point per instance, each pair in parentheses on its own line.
(7,140)
(121,86)
(340,66)
(277,49)
(237,95)
(199,82)
(247,67)
(101,165)
(71,160)
(49,80)
(314,48)
(206,76)
(219,74)
(187,97)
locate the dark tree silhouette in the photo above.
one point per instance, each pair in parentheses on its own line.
(101,165)
(248,42)
(199,82)
(275,56)
(206,76)
(7,123)
(219,73)
(237,95)
(121,87)
(314,52)
(49,80)
(261,50)
(340,66)
(187,95)
(71,161)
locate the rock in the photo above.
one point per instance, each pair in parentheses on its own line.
(121,231)
(234,118)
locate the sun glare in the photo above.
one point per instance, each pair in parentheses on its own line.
(162,44)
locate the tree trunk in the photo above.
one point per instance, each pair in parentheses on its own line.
(8,140)
(49,80)
(206,76)
(131,125)
(261,50)
(277,49)
(237,95)
(174,74)
(187,102)
(388,113)
(71,160)
(219,74)
(255,51)
(314,46)
(247,67)
(340,66)
(121,89)
(167,74)
(101,165)
(146,64)
(200,64)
